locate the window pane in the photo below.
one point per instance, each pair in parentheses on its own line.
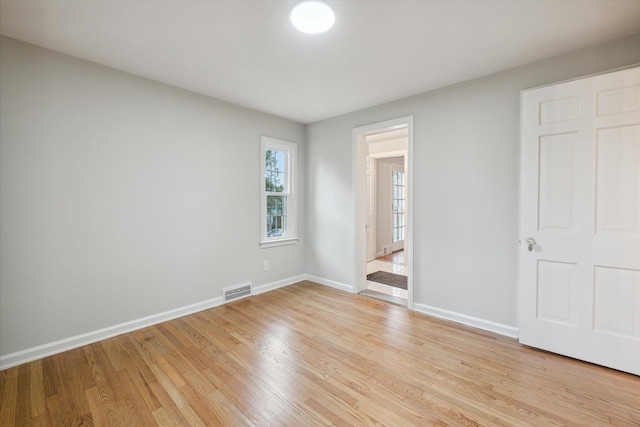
(398,206)
(274,171)
(276,216)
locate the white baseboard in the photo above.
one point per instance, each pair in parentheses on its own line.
(464,319)
(49,349)
(474,322)
(330,283)
(257,290)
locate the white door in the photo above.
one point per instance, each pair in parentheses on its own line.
(580,202)
(370,208)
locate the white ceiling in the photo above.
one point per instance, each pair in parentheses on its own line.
(246,52)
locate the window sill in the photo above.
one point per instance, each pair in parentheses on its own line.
(280,242)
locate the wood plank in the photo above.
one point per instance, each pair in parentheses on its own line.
(102,397)
(23,407)
(37,391)
(49,377)
(100,416)
(9,397)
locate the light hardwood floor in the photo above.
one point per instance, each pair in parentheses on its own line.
(308,355)
(396,257)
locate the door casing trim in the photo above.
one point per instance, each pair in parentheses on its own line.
(359,151)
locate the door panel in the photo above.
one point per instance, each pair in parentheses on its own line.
(616,301)
(618,189)
(556,292)
(580,202)
(557,190)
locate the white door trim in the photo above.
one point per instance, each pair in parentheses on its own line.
(359,146)
(372,201)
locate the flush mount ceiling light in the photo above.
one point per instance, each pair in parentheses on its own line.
(312,17)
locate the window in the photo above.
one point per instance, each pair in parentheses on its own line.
(278,195)
(398,204)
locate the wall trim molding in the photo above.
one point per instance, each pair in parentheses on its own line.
(28,355)
(34,353)
(475,322)
(65,344)
(329,283)
(257,290)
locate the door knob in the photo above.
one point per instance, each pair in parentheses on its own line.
(530,241)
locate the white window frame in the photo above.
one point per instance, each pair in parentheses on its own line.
(395,168)
(290,233)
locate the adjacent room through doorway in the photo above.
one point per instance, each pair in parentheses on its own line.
(385,278)
(387,272)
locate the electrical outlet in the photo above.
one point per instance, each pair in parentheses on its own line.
(266,266)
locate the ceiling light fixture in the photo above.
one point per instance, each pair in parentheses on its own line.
(312,17)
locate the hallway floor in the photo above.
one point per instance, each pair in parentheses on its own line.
(392,263)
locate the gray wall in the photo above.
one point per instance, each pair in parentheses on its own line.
(123,198)
(466,156)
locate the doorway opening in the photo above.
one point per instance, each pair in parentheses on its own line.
(383,215)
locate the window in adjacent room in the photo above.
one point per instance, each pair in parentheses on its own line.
(278,192)
(398,204)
